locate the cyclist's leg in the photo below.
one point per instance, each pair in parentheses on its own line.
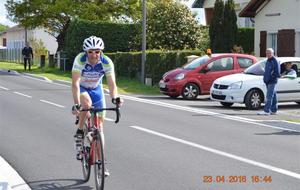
(86,102)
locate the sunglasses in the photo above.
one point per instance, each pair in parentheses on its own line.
(93,51)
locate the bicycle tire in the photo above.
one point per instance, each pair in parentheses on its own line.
(99,166)
(85,162)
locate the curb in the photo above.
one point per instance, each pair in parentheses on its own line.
(10,179)
(37,77)
(12,72)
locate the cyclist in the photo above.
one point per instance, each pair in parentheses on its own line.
(89,67)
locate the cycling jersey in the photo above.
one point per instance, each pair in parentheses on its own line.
(91,75)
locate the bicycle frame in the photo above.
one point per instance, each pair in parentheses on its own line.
(92,152)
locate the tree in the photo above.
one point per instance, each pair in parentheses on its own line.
(3,27)
(56,15)
(216,28)
(171,25)
(230,26)
(223,28)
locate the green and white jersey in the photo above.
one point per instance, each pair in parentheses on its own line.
(91,75)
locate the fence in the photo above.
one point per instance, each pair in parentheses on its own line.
(15,55)
(11,55)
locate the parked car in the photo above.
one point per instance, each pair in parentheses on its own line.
(248,87)
(197,76)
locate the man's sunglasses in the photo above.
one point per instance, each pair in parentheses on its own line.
(93,51)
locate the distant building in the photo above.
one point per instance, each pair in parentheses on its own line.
(208,6)
(13,40)
(276,26)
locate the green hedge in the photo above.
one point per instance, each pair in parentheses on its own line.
(116,37)
(245,38)
(157,63)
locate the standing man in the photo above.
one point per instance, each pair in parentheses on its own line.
(271,75)
(27,55)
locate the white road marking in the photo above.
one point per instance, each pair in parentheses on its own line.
(2,87)
(19,93)
(224,116)
(222,153)
(10,178)
(108,119)
(45,101)
(209,113)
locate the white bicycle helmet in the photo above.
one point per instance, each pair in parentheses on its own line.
(93,42)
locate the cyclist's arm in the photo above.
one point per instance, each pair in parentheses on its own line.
(75,87)
(111,81)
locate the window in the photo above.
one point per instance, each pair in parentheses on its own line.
(4,42)
(244,62)
(273,42)
(222,64)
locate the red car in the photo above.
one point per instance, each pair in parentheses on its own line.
(196,77)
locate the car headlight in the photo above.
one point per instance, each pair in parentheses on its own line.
(179,76)
(236,85)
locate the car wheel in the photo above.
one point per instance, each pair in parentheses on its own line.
(226,104)
(174,96)
(253,99)
(190,91)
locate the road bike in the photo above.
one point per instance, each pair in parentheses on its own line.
(92,152)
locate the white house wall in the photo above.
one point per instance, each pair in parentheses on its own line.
(288,19)
(48,40)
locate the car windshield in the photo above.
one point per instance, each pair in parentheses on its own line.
(196,63)
(257,69)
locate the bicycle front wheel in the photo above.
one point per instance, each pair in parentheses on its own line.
(85,162)
(99,162)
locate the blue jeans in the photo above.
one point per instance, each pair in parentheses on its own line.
(271,103)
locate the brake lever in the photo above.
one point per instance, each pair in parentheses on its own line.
(118,114)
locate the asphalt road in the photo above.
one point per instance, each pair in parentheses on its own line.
(160,144)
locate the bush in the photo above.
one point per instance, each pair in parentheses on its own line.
(116,37)
(157,63)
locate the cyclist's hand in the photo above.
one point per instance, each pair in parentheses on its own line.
(76,109)
(117,101)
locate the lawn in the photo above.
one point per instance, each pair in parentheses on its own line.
(125,85)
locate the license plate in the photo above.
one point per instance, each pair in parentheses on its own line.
(162,85)
(217,92)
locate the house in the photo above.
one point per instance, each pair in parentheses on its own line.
(276,26)
(14,40)
(208,6)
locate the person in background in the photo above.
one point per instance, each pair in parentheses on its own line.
(271,75)
(208,52)
(27,55)
(289,72)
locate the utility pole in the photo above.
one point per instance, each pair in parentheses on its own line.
(144,42)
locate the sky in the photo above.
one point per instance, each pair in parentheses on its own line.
(5,21)
(3,12)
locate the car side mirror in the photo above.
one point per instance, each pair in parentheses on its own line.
(204,69)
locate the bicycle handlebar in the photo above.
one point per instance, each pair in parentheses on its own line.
(95,110)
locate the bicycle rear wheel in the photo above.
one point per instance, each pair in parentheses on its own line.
(99,162)
(85,162)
